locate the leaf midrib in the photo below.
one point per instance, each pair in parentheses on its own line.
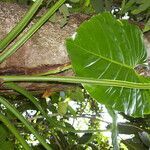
(107,59)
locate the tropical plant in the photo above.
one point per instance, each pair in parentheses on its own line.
(104,53)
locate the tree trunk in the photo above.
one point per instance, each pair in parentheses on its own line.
(43,52)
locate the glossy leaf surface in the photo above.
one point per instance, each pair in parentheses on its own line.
(107,48)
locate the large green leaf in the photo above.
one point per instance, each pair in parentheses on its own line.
(107,48)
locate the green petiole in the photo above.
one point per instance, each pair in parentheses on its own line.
(82,80)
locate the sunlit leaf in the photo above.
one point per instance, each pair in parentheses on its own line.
(107,48)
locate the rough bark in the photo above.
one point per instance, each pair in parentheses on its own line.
(46,47)
(43,52)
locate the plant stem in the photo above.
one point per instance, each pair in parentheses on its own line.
(114,128)
(5,54)
(11,127)
(20,26)
(55,71)
(83,80)
(115,132)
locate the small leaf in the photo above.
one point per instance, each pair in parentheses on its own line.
(85,138)
(64,10)
(53,18)
(98,5)
(76,94)
(69,126)
(62,108)
(63,21)
(72,111)
(147,26)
